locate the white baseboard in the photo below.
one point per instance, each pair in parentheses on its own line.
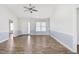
(3,40)
(63,44)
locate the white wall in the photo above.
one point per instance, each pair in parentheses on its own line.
(23,25)
(5,15)
(4,28)
(63,19)
(78,26)
(64,26)
(16,27)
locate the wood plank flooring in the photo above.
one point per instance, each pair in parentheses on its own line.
(35,44)
(78,48)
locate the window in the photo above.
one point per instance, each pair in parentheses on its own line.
(43,26)
(40,26)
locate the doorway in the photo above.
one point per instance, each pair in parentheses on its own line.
(11,28)
(10,44)
(28,28)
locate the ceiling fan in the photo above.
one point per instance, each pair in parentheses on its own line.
(30,8)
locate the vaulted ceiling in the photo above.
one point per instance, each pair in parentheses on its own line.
(44,10)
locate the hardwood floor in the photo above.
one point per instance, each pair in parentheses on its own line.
(38,44)
(78,49)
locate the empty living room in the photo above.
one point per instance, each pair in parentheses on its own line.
(39,28)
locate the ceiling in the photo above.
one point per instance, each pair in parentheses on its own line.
(44,10)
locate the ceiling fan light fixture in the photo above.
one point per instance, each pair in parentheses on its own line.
(30,8)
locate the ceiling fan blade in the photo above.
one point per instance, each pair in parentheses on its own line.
(30,8)
(34,10)
(31,12)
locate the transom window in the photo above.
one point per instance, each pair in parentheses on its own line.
(40,26)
